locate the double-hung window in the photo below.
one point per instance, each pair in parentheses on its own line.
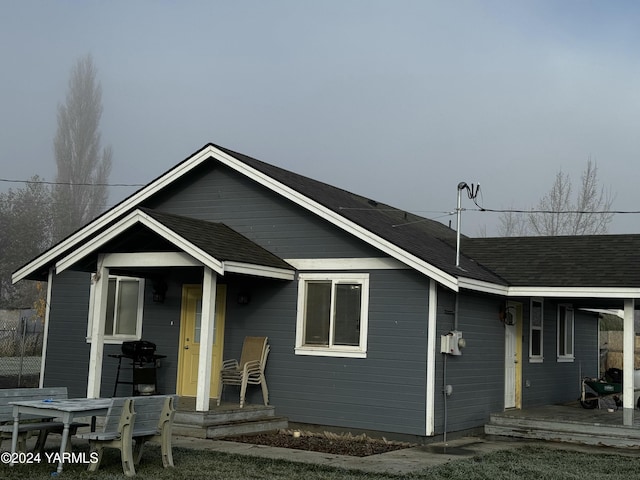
(535,331)
(125,300)
(565,333)
(332,317)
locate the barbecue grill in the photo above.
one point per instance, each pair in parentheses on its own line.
(144,362)
(139,351)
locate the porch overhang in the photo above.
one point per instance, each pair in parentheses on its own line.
(196,243)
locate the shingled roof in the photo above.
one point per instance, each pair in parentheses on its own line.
(427,239)
(561,261)
(594,261)
(218,240)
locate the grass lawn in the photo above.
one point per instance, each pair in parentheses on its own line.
(535,463)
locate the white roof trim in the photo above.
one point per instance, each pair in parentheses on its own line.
(137,216)
(315,264)
(181,169)
(577,292)
(190,255)
(113,214)
(149,259)
(259,270)
(480,286)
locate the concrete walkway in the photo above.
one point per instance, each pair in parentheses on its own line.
(399,462)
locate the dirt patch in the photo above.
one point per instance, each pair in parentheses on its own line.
(343,444)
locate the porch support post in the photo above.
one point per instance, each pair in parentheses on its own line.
(628,356)
(45,338)
(203,391)
(431,358)
(101,292)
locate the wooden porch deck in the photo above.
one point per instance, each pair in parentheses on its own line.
(568,423)
(226,420)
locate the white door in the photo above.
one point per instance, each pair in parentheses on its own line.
(512,357)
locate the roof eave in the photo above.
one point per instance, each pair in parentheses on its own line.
(50,256)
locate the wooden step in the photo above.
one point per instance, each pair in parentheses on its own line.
(243,427)
(555,435)
(223,415)
(562,424)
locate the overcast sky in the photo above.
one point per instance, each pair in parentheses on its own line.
(395,100)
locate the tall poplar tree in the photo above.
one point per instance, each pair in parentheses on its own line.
(83,165)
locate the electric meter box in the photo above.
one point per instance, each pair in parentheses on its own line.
(452,343)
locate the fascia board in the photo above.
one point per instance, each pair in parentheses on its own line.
(524,291)
(577,292)
(480,286)
(134,217)
(113,214)
(209,151)
(258,270)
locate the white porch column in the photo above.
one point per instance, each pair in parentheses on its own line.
(101,292)
(208,320)
(628,360)
(45,338)
(431,358)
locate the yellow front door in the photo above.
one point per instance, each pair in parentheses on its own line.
(190,324)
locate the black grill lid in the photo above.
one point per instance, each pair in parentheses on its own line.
(138,349)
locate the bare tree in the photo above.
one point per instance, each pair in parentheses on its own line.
(83,166)
(25,231)
(513,224)
(556,202)
(592,199)
(558,214)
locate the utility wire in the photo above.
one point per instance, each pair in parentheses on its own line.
(511,210)
(44,182)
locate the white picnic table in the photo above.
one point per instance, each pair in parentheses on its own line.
(66,410)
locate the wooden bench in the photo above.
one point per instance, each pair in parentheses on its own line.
(136,419)
(33,423)
(116,433)
(154,421)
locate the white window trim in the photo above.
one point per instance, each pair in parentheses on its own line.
(336,350)
(118,339)
(536,358)
(565,358)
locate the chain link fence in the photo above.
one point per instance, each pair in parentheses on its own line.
(21,352)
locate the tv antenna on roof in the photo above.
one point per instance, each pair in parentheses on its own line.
(472,193)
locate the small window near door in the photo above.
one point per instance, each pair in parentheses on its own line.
(535,331)
(565,333)
(125,299)
(332,315)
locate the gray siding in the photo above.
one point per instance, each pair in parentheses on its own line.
(67,362)
(215,193)
(477,376)
(384,392)
(559,382)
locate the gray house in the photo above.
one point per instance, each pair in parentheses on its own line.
(371,324)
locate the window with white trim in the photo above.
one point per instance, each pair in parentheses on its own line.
(332,317)
(125,300)
(536,330)
(565,333)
